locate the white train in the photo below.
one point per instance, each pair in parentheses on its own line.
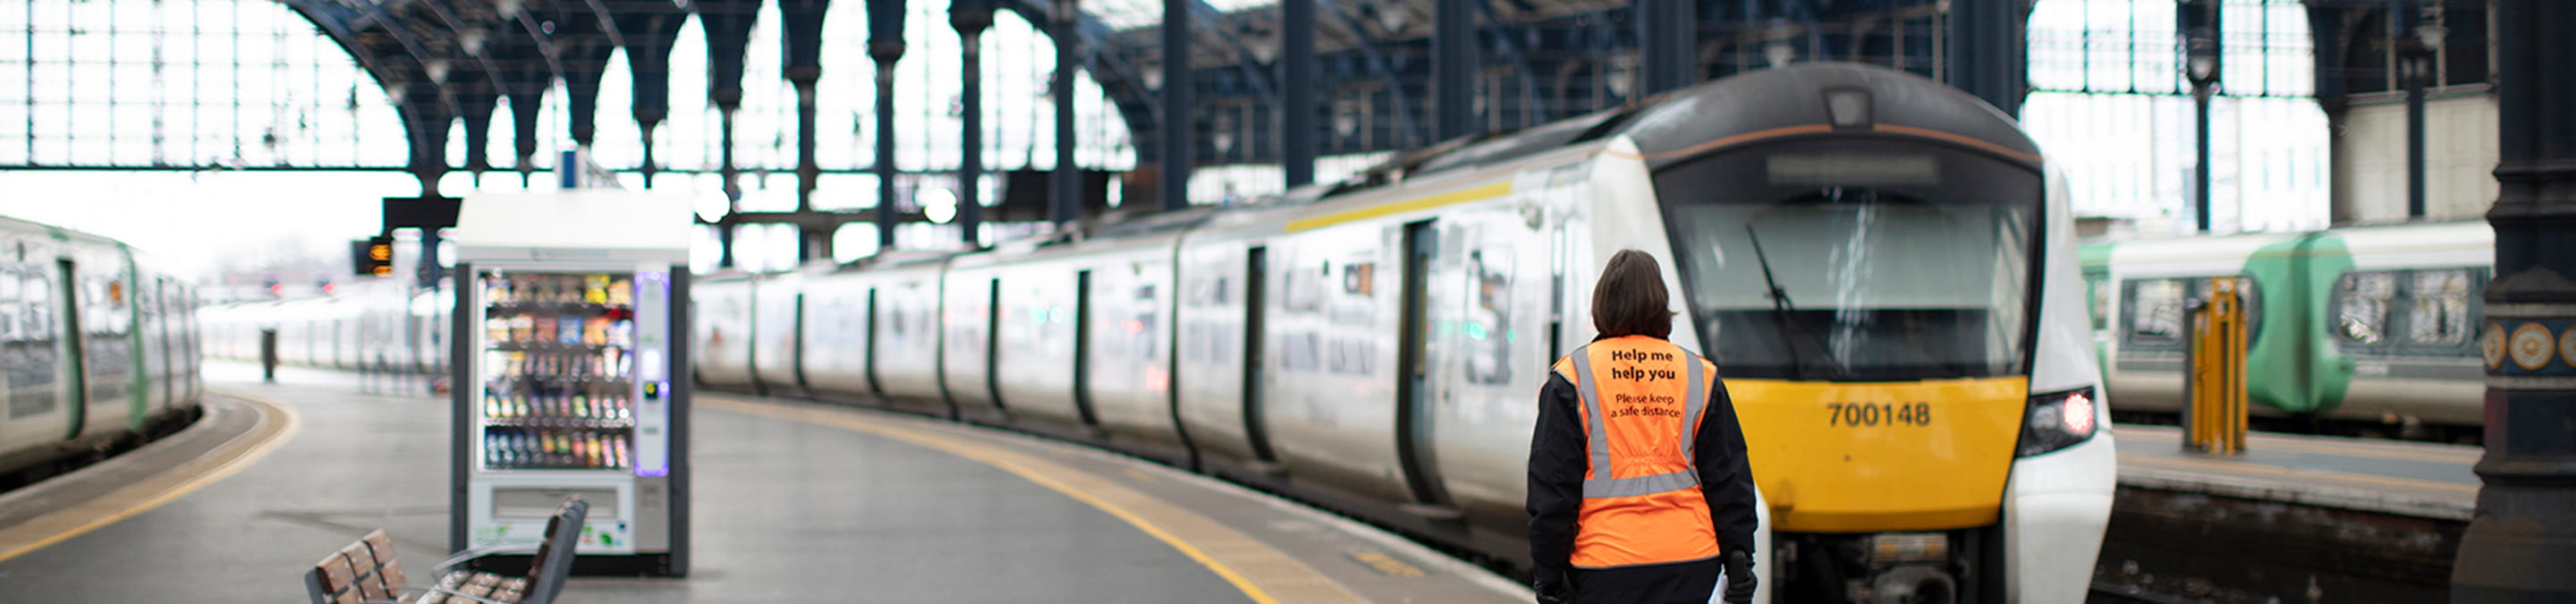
(100,349)
(374,326)
(1883,267)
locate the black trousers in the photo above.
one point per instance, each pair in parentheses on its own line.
(1676,583)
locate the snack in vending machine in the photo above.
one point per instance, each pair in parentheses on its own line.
(522,328)
(570,329)
(622,334)
(496,329)
(621,293)
(595,331)
(545,331)
(595,289)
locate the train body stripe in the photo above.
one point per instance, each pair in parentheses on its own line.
(1411,205)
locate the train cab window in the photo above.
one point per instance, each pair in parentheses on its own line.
(1856,259)
(2437,308)
(2361,303)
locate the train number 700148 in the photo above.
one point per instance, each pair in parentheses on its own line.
(1879,414)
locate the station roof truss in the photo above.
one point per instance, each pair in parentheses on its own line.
(1538,60)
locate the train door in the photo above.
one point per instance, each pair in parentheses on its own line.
(796,342)
(992,342)
(1082,322)
(869,345)
(75,389)
(1414,392)
(1256,300)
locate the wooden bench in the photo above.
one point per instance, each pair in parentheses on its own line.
(366,572)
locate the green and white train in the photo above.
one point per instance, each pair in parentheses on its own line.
(2359,326)
(98,350)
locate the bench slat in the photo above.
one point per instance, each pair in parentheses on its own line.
(336,572)
(382,545)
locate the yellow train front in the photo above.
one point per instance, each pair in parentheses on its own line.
(1883,268)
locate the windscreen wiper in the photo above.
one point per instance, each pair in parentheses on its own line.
(1784,312)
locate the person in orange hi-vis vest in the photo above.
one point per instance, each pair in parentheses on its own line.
(1638,488)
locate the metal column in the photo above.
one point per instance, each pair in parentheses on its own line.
(2415,66)
(728,30)
(971,17)
(885,44)
(2203,63)
(804,69)
(2200,157)
(2517,547)
(1296,99)
(1668,31)
(1064,186)
(1986,45)
(1453,68)
(1180,125)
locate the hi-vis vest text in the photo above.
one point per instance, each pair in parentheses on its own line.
(1642,403)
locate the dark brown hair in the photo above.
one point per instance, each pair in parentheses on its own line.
(1630,299)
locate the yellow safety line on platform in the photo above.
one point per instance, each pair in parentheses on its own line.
(277,423)
(2269,471)
(2392,452)
(1273,570)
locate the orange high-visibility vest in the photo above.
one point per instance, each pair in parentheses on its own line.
(1643,399)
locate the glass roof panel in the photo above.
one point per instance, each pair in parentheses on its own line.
(1235,6)
(1123,15)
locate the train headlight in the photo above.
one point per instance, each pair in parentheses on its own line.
(2058,420)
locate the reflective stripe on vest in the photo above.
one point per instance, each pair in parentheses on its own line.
(1642,504)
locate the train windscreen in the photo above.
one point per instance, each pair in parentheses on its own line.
(1856,260)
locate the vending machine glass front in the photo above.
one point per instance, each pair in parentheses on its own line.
(557,386)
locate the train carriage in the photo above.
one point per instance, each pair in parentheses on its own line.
(1883,268)
(2368,325)
(99,351)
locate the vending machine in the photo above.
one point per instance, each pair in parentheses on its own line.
(570,378)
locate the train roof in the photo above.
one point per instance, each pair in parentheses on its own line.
(1821,98)
(1797,100)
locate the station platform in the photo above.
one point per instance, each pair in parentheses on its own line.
(2293,518)
(792,502)
(2424,480)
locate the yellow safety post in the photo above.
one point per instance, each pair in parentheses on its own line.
(2214,418)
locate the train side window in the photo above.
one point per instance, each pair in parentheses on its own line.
(1489,320)
(2153,308)
(2438,309)
(38,322)
(2361,304)
(2248,296)
(2100,309)
(10,307)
